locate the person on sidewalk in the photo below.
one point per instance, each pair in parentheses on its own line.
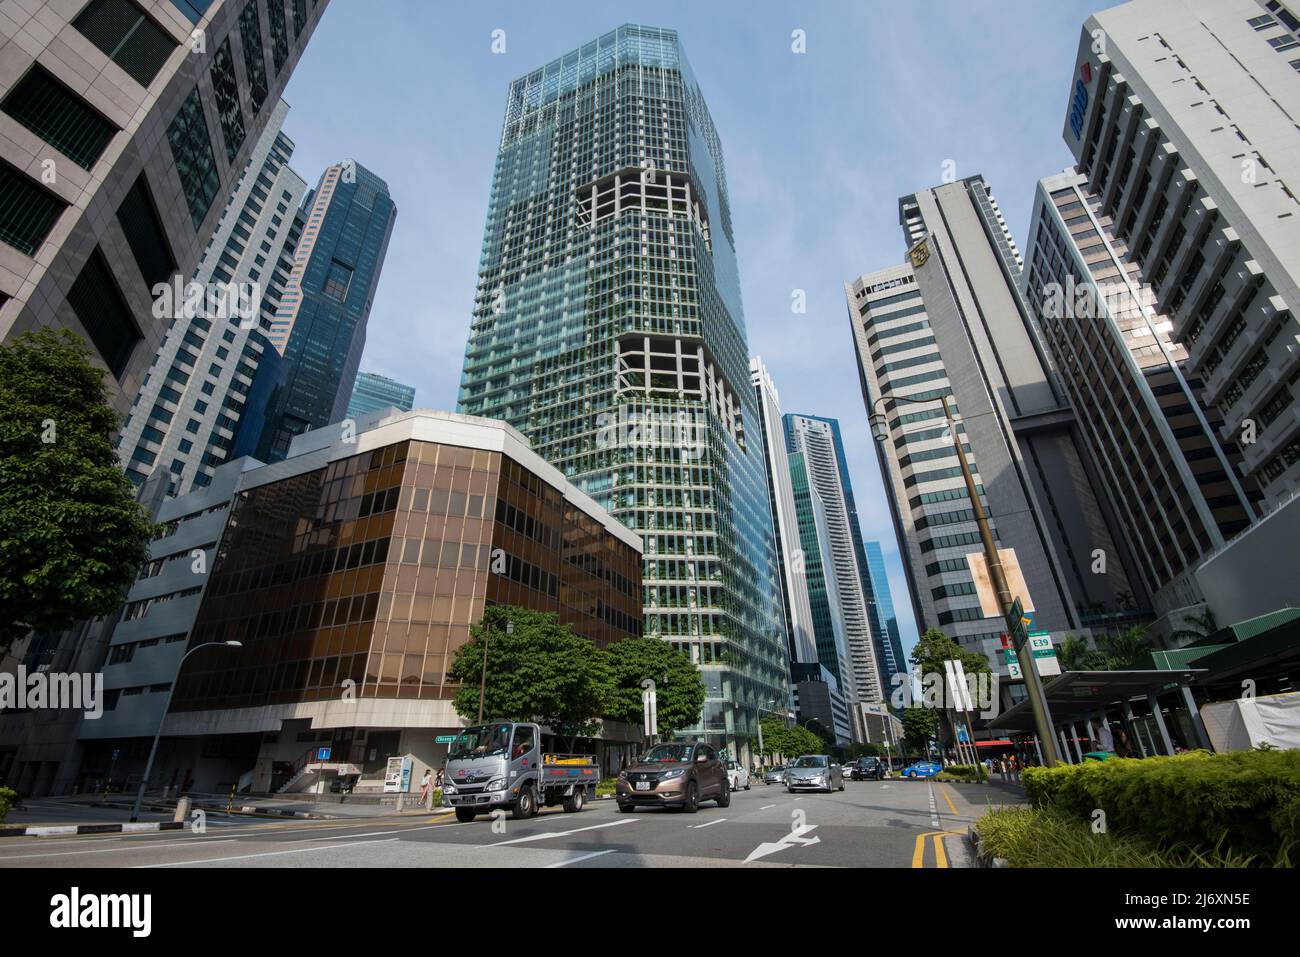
(426,783)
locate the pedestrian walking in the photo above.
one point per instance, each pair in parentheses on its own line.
(426,785)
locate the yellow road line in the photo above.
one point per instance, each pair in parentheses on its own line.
(948,797)
(940,858)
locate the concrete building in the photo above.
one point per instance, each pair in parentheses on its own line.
(608,327)
(205,397)
(414,527)
(1171,478)
(818,700)
(951,322)
(320,325)
(817,441)
(124,125)
(1182,121)
(374,392)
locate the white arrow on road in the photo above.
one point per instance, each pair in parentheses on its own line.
(790,840)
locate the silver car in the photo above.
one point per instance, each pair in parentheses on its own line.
(814,772)
(775,775)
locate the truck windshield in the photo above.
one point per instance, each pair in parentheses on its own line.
(668,753)
(480,742)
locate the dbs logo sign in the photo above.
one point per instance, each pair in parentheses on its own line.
(1079,103)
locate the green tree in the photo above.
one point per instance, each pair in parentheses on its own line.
(679,689)
(788,742)
(1202,625)
(542,672)
(919,726)
(72,535)
(934,648)
(1077,656)
(1123,648)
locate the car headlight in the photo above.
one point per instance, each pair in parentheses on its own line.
(676,773)
(497,784)
(448,788)
(622,775)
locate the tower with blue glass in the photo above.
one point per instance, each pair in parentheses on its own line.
(320,326)
(608,328)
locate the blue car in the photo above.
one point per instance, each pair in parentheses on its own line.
(922,769)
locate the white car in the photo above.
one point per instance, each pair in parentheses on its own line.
(737,776)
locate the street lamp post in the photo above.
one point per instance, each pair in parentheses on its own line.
(153,751)
(1034,687)
(482,678)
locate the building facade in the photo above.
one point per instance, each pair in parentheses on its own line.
(373,392)
(817,440)
(894,661)
(122,131)
(320,326)
(204,400)
(1183,124)
(608,328)
(1174,483)
(951,323)
(350,572)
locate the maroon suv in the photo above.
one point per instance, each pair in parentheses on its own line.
(674,775)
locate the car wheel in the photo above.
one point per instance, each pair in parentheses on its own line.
(574,801)
(464,814)
(912,775)
(724,797)
(692,802)
(626,808)
(526,806)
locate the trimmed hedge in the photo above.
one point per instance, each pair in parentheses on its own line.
(8,798)
(1243,802)
(965,772)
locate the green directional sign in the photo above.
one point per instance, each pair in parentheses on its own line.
(444,739)
(1016,624)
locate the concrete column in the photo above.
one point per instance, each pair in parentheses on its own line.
(1065,747)
(1198,726)
(1160,722)
(1132,727)
(1074,738)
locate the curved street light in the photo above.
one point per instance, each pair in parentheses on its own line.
(997,575)
(148,767)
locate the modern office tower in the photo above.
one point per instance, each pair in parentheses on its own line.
(799,627)
(1173,483)
(894,660)
(1183,123)
(120,140)
(608,328)
(952,323)
(817,441)
(205,397)
(320,327)
(819,703)
(374,392)
(404,522)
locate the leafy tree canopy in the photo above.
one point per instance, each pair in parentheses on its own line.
(934,648)
(919,726)
(72,535)
(679,690)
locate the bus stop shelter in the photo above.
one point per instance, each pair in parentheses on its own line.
(1077,697)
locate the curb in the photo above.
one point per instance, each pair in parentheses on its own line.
(982,857)
(276,812)
(61,830)
(220,809)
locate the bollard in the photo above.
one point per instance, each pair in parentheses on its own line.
(230,801)
(399,802)
(182,809)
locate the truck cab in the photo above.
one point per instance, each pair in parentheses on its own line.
(501,765)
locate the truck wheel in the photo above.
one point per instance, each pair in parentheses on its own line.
(526,806)
(464,814)
(574,801)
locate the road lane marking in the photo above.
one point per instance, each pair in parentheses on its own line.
(718,820)
(794,838)
(940,858)
(580,857)
(109,850)
(934,808)
(766,806)
(918,849)
(339,837)
(549,834)
(244,857)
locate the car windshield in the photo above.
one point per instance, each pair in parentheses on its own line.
(483,741)
(777,768)
(810,761)
(732,765)
(669,753)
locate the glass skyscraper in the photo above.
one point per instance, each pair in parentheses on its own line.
(320,327)
(373,391)
(608,328)
(893,661)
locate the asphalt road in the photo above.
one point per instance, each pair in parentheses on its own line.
(869,824)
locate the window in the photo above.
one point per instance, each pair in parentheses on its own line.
(144,234)
(99,306)
(193,9)
(1284,42)
(27,212)
(126,36)
(1261,23)
(279,35)
(192,151)
(338,280)
(226,92)
(60,117)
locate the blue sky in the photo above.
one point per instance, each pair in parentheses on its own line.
(818,146)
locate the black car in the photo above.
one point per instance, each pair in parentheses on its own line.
(867,769)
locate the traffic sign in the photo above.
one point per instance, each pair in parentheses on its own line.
(323,754)
(444,739)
